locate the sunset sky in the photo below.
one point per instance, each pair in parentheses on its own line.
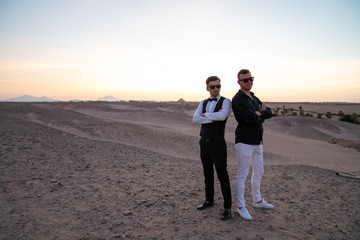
(306,50)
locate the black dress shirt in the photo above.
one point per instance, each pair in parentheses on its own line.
(249,129)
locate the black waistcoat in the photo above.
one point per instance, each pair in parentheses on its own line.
(214,130)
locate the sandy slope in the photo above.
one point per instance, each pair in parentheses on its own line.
(131,171)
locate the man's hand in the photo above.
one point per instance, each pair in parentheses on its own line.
(262,107)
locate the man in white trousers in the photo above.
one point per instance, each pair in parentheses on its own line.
(250,113)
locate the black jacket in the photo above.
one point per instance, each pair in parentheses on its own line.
(249,129)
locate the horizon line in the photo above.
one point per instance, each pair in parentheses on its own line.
(115,99)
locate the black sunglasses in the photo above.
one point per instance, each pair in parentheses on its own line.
(213,86)
(245,80)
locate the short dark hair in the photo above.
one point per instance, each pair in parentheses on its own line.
(212,78)
(243,71)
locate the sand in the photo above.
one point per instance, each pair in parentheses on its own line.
(131,170)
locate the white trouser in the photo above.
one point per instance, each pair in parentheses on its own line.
(249,154)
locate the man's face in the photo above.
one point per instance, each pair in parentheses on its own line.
(214,88)
(245,85)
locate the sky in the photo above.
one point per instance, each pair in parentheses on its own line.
(163,50)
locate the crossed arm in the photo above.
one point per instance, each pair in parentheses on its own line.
(209,117)
(243,113)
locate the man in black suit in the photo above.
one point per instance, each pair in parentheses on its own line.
(212,114)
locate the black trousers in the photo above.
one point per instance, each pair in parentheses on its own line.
(214,152)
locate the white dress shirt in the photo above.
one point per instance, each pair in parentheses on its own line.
(210,115)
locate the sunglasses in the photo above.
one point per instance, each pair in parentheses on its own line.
(213,86)
(245,80)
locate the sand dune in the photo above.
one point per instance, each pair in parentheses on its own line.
(100,170)
(303,140)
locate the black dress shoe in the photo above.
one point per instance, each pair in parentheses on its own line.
(226,215)
(205,205)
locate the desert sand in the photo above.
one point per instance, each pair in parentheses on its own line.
(131,170)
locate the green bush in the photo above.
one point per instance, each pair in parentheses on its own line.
(328,115)
(340,114)
(351,118)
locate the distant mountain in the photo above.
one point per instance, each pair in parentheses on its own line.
(109,98)
(28,98)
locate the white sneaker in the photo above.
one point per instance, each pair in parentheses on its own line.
(263,204)
(244,213)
